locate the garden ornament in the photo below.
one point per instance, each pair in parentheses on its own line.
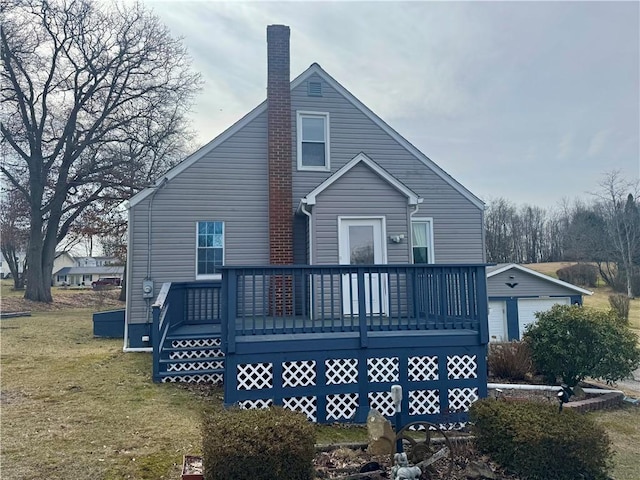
(402,470)
(564,394)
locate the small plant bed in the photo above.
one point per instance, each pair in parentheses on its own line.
(352,463)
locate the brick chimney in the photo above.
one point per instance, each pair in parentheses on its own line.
(280,139)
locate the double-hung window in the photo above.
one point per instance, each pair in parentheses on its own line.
(210,249)
(313,141)
(422,240)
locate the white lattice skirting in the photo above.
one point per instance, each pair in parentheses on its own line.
(424,399)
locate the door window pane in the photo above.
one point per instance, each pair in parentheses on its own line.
(361,245)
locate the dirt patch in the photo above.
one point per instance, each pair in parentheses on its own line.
(12,397)
(97,300)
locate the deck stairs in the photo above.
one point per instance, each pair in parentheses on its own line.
(192,355)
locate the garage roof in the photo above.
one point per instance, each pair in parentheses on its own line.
(503,267)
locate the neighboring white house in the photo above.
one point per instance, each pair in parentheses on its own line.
(4,266)
(85,270)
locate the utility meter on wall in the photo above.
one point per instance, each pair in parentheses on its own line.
(147,289)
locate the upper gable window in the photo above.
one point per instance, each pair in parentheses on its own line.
(313,141)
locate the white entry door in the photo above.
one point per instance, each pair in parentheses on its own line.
(362,243)
(498,321)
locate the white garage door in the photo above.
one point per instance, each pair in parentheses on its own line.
(527,307)
(498,321)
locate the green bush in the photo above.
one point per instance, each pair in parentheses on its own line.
(511,361)
(574,342)
(257,445)
(539,443)
(620,304)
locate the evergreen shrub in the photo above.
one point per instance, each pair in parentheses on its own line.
(537,442)
(260,444)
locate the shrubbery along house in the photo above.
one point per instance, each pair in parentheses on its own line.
(311,257)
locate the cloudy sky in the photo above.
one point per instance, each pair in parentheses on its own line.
(528,101)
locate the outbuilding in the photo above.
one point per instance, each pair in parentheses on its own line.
(516,293)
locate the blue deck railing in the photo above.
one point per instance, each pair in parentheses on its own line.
(346,298)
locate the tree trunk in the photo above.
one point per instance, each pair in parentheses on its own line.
(38,280)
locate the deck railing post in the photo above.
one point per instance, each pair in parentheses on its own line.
(230,293)
(155,341)
(362,307)
(482,307)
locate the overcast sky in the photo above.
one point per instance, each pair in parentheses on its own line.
(528,101)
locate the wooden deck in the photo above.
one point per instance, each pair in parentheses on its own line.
(278,347)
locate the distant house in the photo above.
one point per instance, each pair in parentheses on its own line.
(83,271)
(516,293)
(4,266)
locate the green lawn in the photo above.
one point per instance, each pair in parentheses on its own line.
(75,407)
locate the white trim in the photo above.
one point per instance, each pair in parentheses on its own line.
(384,301)
(137,349)
(327,148)
(128,285)
(210,276)
(314,69)
(539,275)
(432,248)
(412,197)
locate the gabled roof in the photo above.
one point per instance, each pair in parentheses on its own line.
(503,267)
(412,197)
(106,270)
(314,69)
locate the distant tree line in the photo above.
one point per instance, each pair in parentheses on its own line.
(604,231)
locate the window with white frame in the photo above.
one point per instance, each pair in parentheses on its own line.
(313,141)
(210,249)
(422,240)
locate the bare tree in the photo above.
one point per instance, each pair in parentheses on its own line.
(14,234)
(93,106)
(533,221)
(499,227)
(617,204)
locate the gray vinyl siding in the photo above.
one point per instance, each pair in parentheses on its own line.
(528,285)
(457,222)
(360,192)
(227,184)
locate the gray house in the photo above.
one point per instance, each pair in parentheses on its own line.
(310,257)
(516,293)
(353,181)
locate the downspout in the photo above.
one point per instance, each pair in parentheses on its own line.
(125,348)
(416,207)
(303,209)
(162,183)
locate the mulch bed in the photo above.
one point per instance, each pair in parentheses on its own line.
(345,464)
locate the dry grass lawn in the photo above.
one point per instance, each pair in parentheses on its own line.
(600,297)
(76,407)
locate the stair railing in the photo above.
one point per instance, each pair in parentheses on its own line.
(160,326)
